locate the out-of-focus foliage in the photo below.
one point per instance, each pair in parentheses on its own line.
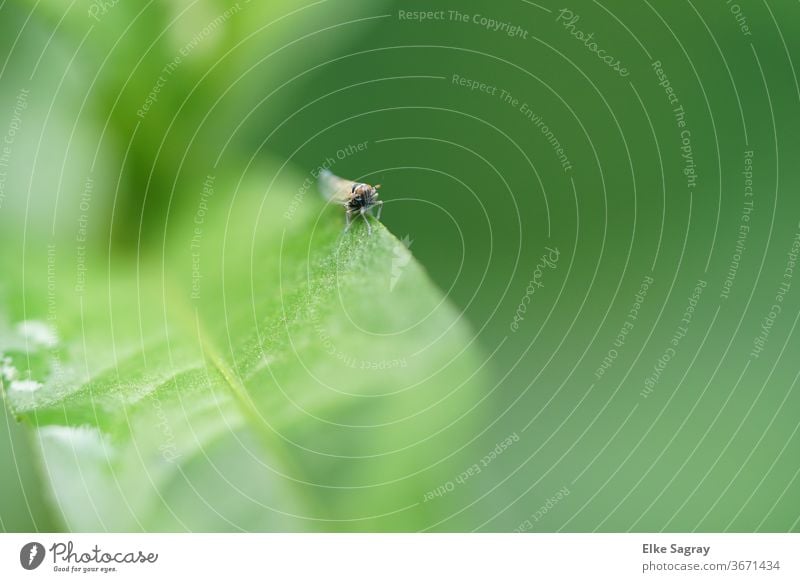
(287,389)
(166,86)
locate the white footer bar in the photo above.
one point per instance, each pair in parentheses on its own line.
(401,557)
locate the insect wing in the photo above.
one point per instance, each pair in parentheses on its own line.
(334,188)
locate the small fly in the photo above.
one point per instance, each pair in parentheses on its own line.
(356,197)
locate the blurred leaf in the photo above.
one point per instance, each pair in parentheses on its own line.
(175,81)
(270,374)
(56,167)
(22,504)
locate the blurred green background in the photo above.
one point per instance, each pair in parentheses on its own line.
(692,422)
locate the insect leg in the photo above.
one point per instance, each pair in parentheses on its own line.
(364,215)
(347,217)
(380,207)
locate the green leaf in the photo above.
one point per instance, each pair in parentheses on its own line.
(22,504)
(266,372)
